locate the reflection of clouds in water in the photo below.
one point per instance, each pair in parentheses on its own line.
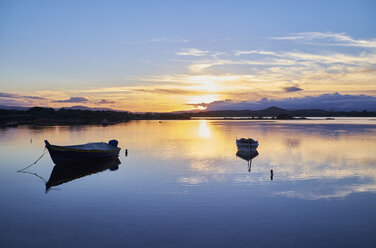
(202,170)
(251,179)
(192,180)
(292,142)
(325,154)
(331,191)
(207,165)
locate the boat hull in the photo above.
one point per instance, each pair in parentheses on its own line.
(248,154)
(242,145)
(62,155)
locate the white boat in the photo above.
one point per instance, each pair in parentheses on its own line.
(249,143)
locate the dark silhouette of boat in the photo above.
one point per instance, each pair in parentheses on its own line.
(63,173)
(86,153)
(247,155)
(249,143)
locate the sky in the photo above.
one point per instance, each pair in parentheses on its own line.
(162,56)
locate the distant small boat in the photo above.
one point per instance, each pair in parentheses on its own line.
(90,152)
(249,143)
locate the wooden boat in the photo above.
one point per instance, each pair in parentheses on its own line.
(90,152)
(249,143)
(65,173)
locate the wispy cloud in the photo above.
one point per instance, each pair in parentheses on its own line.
(291,89)
(192,52)
(169,91)
(336,39)
(205,64)
(74,100)
(156,40)
(262,52)
(9,95)
(295,58)
(187,80)
(104,101)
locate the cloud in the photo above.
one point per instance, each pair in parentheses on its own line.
(169,40)
(289,59)
(334,101)
(336,39)
(104,101)
(291,89)
(192,52)
(262,52)
(170,91)
(202,65)
(34,97)
(74,100)
(8,95)
(295,58)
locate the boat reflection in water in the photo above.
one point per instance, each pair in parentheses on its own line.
(247,155)
(63,173)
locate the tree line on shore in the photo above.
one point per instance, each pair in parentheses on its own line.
(63,116)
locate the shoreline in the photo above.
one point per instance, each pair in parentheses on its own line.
(314,120)
(40,116)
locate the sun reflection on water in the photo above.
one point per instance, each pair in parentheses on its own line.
(204,130)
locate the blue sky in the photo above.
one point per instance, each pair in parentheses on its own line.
(164,55)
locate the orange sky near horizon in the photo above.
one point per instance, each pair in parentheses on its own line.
(160,57)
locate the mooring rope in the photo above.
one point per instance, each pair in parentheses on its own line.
(44,152)
(35,174)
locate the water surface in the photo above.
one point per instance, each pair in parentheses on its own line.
(182,185)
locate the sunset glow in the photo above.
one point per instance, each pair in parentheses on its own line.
(164,69)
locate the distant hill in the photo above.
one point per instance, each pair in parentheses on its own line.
(79,107)
(85,115)
(14,107)
(63,116)
(275,111)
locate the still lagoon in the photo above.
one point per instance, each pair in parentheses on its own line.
(183,185)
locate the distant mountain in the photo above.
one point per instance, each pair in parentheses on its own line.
(62,116)
(14,108)
(328,102)
(275,111)
(7,113)
(79,107)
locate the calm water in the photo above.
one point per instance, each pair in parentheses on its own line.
(182,185)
